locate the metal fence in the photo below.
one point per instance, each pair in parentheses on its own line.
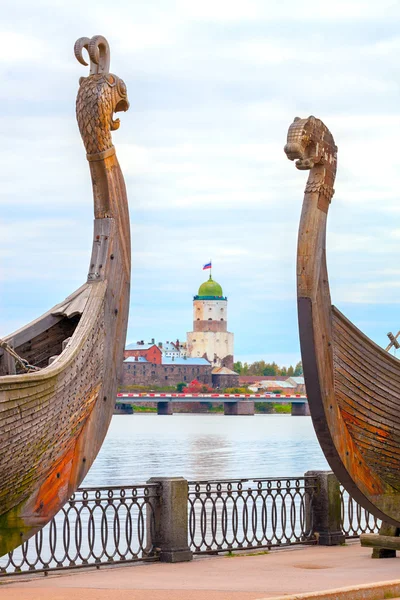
(355,520)
(250,513)
(118,524)
(97,526)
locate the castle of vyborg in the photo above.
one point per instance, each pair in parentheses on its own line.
(206,356)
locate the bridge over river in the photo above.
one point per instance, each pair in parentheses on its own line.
(234,404)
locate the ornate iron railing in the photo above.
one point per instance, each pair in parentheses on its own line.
(97,526)
(355,520)
(250,513)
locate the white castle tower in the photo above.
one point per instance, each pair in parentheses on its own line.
(210,338)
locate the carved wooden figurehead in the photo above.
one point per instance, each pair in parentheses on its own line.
(311,145)
(100,95)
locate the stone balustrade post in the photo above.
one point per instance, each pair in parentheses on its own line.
(324,509)
(169,534)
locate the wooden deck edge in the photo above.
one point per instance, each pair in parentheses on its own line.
(369,591)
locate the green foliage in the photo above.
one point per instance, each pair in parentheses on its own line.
(260,367)
(298,370)
(263,407)
(180,386)
(147,388)
(216,408)
(144,409)
(283,409)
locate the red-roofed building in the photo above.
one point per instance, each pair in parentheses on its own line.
(151,352)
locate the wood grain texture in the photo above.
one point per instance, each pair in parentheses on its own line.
(53,421)
(353,386)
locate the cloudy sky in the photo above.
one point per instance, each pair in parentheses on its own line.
(213,87)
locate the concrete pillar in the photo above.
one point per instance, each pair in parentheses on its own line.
(165,408)
(243,407)
(170,534)
(324,509)
(300,409)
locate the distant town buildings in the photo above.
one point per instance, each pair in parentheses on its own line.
(207,356)
(281,384)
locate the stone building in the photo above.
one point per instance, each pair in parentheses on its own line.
(210,338)
(138,371)
(150,352)
(222,377)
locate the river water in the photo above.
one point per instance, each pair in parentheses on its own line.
(205,446)
(195,446)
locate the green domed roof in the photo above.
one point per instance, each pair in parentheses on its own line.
(210,288)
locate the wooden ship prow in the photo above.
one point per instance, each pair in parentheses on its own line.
(353,385)
(58,375)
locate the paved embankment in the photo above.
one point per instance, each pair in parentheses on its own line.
(252,577)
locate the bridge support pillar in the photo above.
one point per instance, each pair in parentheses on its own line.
(243,407)
(165,408)
(169,529)
(300,409)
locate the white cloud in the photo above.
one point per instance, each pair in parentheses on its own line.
(213,88)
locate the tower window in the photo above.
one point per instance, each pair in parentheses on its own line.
(221,319)
(198,318)
(209,318)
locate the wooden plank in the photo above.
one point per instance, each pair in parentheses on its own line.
(375,540)
(388,530)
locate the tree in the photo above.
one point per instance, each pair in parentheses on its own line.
(271,369)
(238,367)
(290,371)
(298,370)
(195,387)
(180,387)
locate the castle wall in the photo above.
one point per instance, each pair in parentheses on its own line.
(205,310)
(215,347)
(159,375)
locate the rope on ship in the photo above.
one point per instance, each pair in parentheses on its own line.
(24,364)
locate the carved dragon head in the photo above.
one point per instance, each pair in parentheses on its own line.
(100,95)
(310,143)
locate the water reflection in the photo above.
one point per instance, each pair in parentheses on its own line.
(140,446)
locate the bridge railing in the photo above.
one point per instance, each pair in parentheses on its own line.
(181,396)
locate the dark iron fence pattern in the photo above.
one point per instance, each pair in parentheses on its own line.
(116,524)
(97,526)
(355,519)
(250,513)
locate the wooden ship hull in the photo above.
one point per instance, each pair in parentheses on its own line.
(55,415)
(353,385)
